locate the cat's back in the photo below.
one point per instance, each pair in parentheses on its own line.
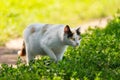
(41,29)
(35,27)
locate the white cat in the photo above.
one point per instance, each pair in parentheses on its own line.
(48,39)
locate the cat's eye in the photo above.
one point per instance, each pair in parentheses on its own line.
(73,39)
(79,38)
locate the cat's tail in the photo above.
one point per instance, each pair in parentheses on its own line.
(22,52)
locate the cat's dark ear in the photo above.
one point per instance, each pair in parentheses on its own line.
(78,31)
(68,31)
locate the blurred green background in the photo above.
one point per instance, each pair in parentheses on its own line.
(15,15)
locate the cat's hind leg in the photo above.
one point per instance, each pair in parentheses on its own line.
(29,55)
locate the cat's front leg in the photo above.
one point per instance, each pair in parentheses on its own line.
(59,56)
(49,52)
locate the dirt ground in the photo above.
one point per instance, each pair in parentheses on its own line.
(8,56)
(8,53)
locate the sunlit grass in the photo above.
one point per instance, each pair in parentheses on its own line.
(15,14)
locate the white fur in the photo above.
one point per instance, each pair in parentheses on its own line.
(47,39)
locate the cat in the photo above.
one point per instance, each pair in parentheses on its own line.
(48,39)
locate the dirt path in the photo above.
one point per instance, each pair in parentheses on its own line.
(8,54)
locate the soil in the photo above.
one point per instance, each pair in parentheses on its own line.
(8,56)
(8,53)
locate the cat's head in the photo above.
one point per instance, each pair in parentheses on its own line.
(72,37)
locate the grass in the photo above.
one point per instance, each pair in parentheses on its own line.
(97,58)
(16,15)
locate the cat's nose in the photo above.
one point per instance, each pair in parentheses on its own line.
(77,44)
